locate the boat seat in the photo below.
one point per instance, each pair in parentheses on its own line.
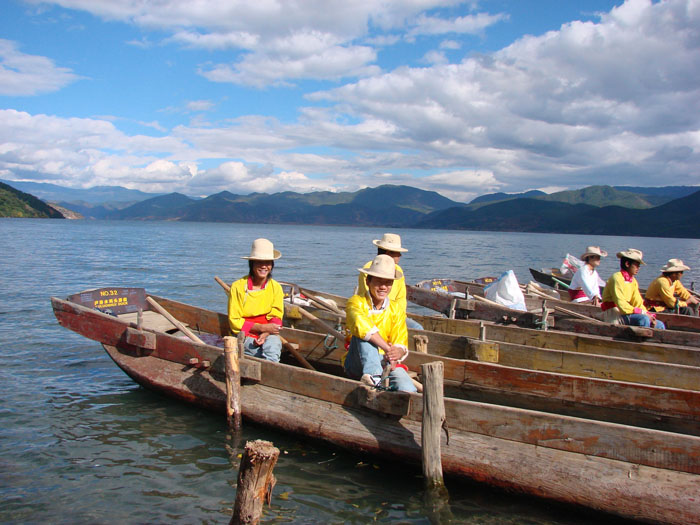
(151,320)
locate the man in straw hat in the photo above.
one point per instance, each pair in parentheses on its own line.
(585,286)
(255,304)
(378,328)
(390,244)
(666,291)
(622,302)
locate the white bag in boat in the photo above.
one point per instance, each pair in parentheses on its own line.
(506,291)
(570,265)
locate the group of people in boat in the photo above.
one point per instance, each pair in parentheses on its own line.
(376,314)
(621,300)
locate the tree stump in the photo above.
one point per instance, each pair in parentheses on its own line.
(255,481)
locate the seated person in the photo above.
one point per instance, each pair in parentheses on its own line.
(666,291)
(255,304)
(622,302)
(585,286)
(390,244)
(378,329)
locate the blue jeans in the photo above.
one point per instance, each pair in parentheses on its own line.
(641,320)
(363,358)
(413,325)
(271,349)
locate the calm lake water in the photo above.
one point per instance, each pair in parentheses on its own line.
(81,443)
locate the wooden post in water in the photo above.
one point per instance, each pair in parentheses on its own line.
(255,481)
(433,418)
(233,382)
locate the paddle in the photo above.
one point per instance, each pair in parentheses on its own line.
(291,347)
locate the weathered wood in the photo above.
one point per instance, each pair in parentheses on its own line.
(293,349)
(432,422)
(255,482)
(233,382)
(180,326)
(420,343)
(634,472)
(140,338)
(635,491)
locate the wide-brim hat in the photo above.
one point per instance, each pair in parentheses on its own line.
(262,250)
(674,265)
(631,254)
(594,250)
(390,242)
(383,267)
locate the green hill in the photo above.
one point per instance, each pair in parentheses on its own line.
(600,196)
(15,203)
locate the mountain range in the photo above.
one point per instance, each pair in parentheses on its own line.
(671,211)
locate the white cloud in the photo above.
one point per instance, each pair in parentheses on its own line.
(24,75)
(471,24)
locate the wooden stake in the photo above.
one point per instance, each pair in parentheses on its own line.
(233,382)
(255,482)
(162,311)
(420,343)
(433,419)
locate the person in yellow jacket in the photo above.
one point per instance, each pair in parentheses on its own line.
(378,328)
(390,244)
(255,304)
(622,302)
(666,291)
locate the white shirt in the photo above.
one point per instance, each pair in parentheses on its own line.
(586,279)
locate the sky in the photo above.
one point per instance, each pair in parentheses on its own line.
(460,97)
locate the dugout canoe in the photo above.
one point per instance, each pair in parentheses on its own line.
(558,319)
(633,472)
(626,343)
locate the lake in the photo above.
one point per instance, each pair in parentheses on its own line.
(81,443)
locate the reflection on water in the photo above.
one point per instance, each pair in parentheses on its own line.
(81,443)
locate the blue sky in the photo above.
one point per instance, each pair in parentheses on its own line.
(463,98)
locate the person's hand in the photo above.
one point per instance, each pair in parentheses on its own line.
(395,353)
(261,338)
(652,320)
(269,328)
(596,301)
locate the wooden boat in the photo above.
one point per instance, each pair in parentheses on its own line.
(569,320)
(629,471)
(513,339)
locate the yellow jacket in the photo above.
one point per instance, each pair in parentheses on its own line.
(662,294)
(245,304)
(624,294)
(398,289)
(363,321)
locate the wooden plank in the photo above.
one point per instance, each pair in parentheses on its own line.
(151,320)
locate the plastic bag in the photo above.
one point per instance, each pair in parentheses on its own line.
(506,291)
(570,265)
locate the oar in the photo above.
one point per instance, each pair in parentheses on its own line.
(291,347)
(162,311)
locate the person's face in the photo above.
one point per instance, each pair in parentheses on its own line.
(394,255)
(261,269)
(379,288)
(633,268)
(594,261)
(675,276)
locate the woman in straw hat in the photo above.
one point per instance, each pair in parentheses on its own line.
(666,291)
(255,304)
(622,302)
(585,286)
(390,244)
(378,328)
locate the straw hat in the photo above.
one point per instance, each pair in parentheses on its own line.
(631,254)
(390,242)
(383,267)
(674,265)
(262,250)
(594,250)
